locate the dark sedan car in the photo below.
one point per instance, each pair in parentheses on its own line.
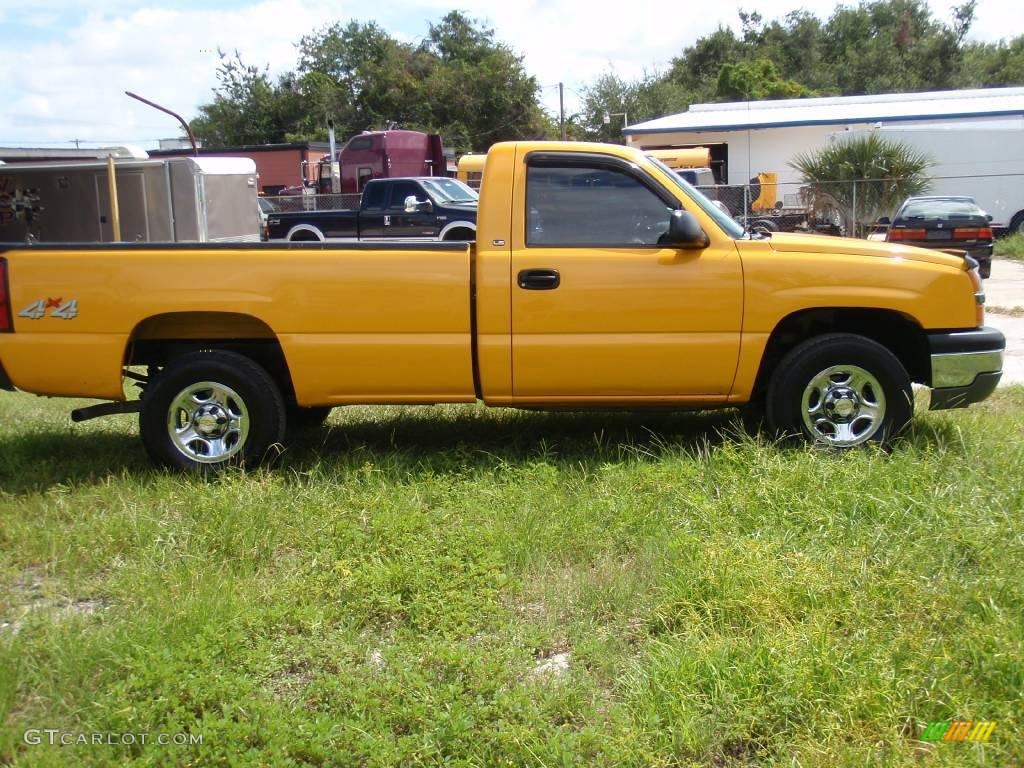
(947,223)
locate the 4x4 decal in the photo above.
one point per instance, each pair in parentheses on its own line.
(65,310)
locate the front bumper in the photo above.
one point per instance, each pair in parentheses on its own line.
(966,366)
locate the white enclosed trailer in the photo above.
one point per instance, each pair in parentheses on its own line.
(180,199)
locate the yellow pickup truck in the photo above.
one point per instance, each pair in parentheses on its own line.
(599,279)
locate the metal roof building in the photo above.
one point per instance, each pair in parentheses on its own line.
(753,136)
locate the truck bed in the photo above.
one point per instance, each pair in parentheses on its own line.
(380,323)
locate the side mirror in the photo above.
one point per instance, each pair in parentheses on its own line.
(684,231)
(988,217)
(884,220)
(412,205)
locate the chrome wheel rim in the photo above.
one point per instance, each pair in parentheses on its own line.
(208,422)
(843,406)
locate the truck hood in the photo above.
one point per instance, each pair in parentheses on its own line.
(791,242)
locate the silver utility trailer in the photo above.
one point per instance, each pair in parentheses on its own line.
(179,199)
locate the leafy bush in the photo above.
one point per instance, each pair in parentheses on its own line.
(863,177)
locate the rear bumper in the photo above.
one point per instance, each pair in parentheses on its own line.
(966,366)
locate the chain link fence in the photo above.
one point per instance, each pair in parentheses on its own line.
(289,203)
(852,207)
(774,207)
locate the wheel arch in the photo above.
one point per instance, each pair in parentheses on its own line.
(158,339)
(305,228)
(456,225)
(898,332)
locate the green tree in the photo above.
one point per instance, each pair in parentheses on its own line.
(863,177)
(360,76)
(248,107)
(876,46)
(647,97)
(994,64)
(478,91)
(460,82)
(757,79)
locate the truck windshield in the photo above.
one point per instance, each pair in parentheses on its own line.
(450,191)
(726,222)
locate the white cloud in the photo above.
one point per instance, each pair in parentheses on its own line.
(75,88)
(71,84)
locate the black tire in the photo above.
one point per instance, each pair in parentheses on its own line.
(304,419)
(850,408)
(243,418)
(1016,224)
(752,418)
(305,236)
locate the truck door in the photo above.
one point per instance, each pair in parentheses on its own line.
(600,310)
(372,210)
(422,225)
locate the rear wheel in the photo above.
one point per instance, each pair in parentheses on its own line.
(209,410)
(840,390)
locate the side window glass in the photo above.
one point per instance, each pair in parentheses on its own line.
(401,190)
(373,196)
(574,205)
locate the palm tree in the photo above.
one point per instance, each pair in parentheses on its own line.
(862,177)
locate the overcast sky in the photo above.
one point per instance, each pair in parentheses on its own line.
(68,62)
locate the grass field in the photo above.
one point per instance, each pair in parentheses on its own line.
(468,587)
(1011,247)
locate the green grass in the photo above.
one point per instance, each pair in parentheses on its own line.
(384,597)
(1011,247)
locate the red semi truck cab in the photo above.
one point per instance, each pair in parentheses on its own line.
(382,155)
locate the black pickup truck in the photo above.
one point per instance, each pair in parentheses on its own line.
(426,208)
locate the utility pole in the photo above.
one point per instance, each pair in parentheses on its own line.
(561,110)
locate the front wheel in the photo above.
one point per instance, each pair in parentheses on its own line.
(840,390)
(211,409)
